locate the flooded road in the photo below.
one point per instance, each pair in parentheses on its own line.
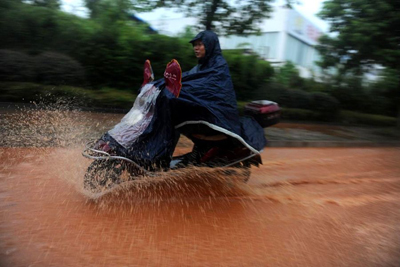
(303,207)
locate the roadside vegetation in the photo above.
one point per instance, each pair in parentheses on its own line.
(98,62)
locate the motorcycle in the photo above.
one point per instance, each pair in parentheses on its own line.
(112,163)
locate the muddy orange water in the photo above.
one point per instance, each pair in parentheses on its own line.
(302,207)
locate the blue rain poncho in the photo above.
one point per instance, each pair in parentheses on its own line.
(207,98)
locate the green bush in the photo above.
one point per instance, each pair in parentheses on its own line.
(31,92)
(311,85)
(289,76)
(343,117)
(290,98)
(46,68)
(327,106)
(299,114)
(111,49)
(351,117)
(19,92)
(57,69)
(353,94)
(248,72)
(271,91)
(351,98)
(321,105)
(384,94)
(294,98)
(16,66)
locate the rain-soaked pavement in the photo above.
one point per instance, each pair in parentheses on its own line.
(302,207)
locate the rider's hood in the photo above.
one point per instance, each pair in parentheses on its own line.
(211,43)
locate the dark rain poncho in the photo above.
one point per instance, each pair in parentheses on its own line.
(207,98)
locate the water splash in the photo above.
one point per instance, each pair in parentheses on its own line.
(58,124)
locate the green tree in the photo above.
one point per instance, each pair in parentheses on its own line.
(222,16)
(187,33)
(46,3)
(94,7)
(289,76)
(249,74)
(50,46)
(99,7)
(9,3)
(365,33)
(383,90)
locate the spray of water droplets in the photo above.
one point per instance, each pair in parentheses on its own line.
(59,130)
(49,123)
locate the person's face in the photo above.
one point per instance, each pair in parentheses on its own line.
(199,49)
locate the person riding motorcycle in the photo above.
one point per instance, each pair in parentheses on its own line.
(205,110)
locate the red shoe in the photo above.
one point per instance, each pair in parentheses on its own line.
(173,77)
(148,75)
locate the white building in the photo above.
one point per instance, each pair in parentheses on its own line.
(285,36)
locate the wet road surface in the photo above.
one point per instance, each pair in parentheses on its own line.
(302,207)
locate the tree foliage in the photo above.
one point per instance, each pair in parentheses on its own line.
(223,16)
(249,73)
(110,49)
(100,7)
(46,3)
(46,68)
(365,33)
(289,76)
(49,46)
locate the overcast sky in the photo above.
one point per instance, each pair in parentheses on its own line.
(308,8)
